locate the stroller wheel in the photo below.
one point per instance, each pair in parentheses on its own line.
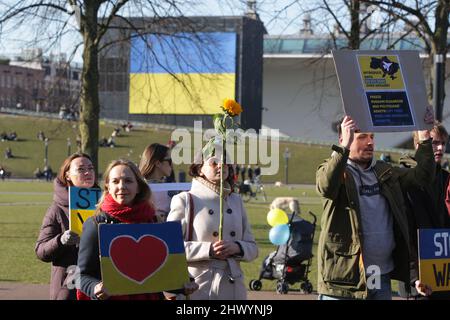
(255,285)
(306,287)
(282,287)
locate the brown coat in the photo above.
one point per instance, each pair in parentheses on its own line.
(50,249)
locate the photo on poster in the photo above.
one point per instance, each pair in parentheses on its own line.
(381,72)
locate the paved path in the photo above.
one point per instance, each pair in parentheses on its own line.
(24,291)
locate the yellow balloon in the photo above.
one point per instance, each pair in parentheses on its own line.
(277,216)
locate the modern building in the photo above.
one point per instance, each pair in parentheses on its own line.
(114,65)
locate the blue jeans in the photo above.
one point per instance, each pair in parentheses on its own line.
(382,293)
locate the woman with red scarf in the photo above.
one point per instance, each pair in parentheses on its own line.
(125,200)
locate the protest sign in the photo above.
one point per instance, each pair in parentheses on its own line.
(383,91)
(434,258)
(82,202)
(142,258)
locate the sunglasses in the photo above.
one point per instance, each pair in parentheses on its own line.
(169,160)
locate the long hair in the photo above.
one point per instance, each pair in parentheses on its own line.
(144,192)
(66,166)
(152,153)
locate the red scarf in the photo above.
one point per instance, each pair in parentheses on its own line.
(141,212)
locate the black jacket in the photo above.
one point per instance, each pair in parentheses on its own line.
(426,209)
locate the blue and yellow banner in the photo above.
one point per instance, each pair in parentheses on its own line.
(142,258)
(434,258)
(183,73)
(82,202)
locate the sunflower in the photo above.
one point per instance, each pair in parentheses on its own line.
(231,107)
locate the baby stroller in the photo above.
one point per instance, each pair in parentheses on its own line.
(291,262)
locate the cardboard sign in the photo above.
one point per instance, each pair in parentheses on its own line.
(383,91)
(142,258)
(434,258)
(82,202)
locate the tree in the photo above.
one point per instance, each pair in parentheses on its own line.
(93,18)
(419,16)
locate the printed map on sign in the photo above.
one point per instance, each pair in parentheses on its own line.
(383,91)
(434,258)
(142,258)
(82,202)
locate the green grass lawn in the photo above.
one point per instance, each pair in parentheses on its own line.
(20,221)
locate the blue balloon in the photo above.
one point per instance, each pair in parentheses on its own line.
(279,234)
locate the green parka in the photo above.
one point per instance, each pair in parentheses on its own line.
(340,266)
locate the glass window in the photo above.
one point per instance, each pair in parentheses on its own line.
(292,46)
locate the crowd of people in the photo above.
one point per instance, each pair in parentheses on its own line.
(127,198)
(371,211)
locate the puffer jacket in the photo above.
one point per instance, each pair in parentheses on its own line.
(340,266)
(50,249)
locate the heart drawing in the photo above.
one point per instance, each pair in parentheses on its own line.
(139,259)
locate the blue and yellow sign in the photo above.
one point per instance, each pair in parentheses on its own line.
(82,202)
(183,73)
(434,258)
(142,258)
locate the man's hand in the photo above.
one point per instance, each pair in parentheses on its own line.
(348,127)
(428,119)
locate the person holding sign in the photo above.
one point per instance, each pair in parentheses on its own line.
(126,199)
(214,263)
(426,204)
(156,167)
(56,243)
(365,237)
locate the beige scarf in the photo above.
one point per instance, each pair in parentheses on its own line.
(215,187)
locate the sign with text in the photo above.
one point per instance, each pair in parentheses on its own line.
(82,202)
(142,258)
(383,91)
(434,258)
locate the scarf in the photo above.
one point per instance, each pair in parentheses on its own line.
(138,213)
(215,187)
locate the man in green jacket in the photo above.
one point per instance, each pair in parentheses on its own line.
(364,242)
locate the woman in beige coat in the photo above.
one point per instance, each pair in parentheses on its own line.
(214,264)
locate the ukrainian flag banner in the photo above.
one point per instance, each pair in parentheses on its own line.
(434,258)
(142,258)
(183,73)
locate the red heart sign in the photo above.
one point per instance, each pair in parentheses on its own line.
(138,260)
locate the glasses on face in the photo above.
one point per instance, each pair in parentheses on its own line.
(169,160)
(213,162)
(82,170)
